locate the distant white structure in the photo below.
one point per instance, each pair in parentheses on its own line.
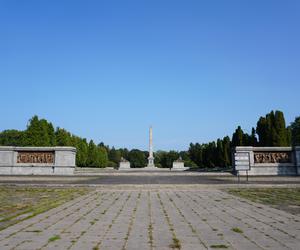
(150,158)
(124,164)
(179,165)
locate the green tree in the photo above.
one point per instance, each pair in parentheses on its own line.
(82,152)
(92,160)
(137,158)
(253,139)
(262,131)
(226,151)
(114,155)
(238,137)
(195,153)
(168,158)
(272,130)
(281,137)
(12,137)
(220,154)
(295,131)
(102,158)
(63,137)
(39,133)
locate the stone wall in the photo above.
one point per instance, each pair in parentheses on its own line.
(267,160)
(37,160)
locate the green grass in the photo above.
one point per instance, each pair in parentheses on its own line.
(176,244)
(287,199)
(220,246)
(20,203)
(237,230)
(54,238)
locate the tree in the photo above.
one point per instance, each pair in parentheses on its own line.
(272,130)
(167,158)
(295,131)
(114,155)
(226,151)
(137,158)
(12,137)
(195,153)
(92,160)
(253,139)
(102,158)
(63,137)
(220,154)
(238,137)
(39,133)
(281,132)
(82,152)
(262,131)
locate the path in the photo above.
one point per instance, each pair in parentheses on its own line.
(150,217)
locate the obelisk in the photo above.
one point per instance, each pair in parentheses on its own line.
(150,158)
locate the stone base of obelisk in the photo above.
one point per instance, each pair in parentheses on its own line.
(150,163)
(150,167)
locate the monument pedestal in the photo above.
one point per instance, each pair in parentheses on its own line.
(179,165)
(150,162)
(124,164)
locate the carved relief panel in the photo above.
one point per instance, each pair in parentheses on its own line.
(36,157)
(272,157)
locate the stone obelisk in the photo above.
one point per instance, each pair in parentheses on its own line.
(150,158)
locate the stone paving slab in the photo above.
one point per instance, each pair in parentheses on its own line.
(145,217)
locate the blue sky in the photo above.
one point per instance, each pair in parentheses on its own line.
(107,70)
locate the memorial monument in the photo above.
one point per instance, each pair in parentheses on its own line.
(179,165)
(124,164)
(37,160)
(150,158)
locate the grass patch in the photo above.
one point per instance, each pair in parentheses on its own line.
(54,238)
(237,230)
(287,199)
(220,246)
(176,244)
(34,231)
(20,203)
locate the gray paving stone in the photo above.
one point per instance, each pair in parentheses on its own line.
(150,218)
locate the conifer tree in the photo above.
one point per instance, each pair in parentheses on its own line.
(102,157)
(272,130)
(280,130)
(92,160)
(220,153)
(39,133)
(63,137)
(295,131)
(226,151)
(237,137)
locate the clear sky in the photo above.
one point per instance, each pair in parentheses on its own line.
(107,70)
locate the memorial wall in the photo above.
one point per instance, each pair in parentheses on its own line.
(37,160)
(267,160)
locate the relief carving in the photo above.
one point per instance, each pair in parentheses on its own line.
(272,157)
(36,157)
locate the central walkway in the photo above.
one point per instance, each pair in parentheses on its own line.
(156,217)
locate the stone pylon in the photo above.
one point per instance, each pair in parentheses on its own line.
(150,158)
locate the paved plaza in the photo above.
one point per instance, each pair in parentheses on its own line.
(156,217)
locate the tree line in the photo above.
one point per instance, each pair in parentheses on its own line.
(271,130)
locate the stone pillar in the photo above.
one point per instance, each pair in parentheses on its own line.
(150,158)
(297,158)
